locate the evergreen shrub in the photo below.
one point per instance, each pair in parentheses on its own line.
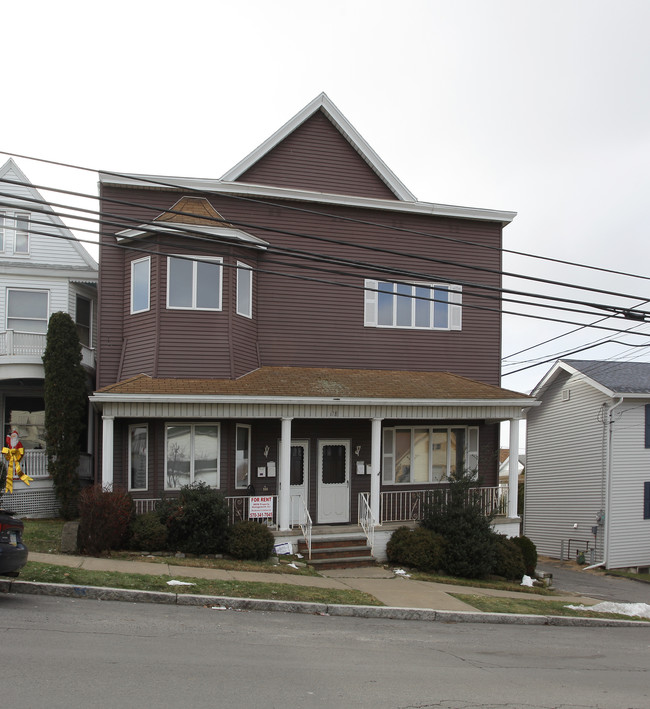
(508,559)
(196,520)
(250,540)
(417,548)
(104,519)
(148,533)
(457,515)
(529,552)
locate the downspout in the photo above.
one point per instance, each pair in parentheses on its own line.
(608,478)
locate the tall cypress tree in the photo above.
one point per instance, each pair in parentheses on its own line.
(65,407)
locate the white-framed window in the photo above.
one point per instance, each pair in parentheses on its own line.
(140,284)
(244,290)
(16,224)
(424,454)
(191,454)
(242,456)
(138,456)
(194,283)
(417,306)
(27,310)
(83,319)
(21,233)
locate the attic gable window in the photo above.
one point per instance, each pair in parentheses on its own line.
(16,224)
(418,306)
(193,283)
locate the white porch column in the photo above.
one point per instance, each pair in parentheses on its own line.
(375,476)
(107,451)
(513,469)
(284,477)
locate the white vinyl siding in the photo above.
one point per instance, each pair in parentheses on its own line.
(564,481)
(417,306)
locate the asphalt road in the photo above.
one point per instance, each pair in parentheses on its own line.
(65,653)
(595,584)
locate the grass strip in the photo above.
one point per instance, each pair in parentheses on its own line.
(49,573)
(491,604)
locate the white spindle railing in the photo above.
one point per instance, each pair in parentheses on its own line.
(32,344)
(409,505)
(366,519)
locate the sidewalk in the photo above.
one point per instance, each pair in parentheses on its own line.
(396,592)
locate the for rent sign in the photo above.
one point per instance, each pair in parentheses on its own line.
(260,507)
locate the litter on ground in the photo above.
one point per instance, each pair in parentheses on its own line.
(173,582)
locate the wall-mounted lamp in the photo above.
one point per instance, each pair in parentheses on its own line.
(357,450)
(266,451)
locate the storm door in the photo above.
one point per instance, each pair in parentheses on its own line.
(333,481)
(299,477)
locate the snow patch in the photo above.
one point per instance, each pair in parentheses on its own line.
(640,610)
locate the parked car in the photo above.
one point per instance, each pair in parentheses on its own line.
(13,553)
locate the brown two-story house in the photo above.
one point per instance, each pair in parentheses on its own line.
(302,327)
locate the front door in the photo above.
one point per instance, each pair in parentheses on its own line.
(333,481)
(299,477)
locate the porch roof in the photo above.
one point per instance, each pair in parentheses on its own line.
(308,383)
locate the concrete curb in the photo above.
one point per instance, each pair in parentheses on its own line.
(252,604)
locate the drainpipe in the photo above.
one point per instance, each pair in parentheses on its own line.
(608,477)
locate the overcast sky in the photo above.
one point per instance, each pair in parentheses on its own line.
(542,108)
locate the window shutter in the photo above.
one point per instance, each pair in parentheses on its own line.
(370,310)
(455,308)
(647,425)
(472,450)
(646,500)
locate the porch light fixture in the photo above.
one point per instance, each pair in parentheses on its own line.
(266,451)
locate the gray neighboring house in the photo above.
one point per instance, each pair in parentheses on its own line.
(588,462)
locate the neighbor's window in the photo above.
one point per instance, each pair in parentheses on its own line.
(244,290)
(646,500)
(138,456)
(21,238)
(2,231)
(420,306)
(83,319)
(243,457)
(191,455)
(414,455)
(140,279)
(194,284)
(27,310)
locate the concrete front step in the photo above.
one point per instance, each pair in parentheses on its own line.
(338,552)
(342,563)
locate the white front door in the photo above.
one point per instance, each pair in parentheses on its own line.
(299,477)
(333,481)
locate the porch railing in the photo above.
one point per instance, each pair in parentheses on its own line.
(34,463)
(32,344)
(409,505)
(237,508)
(304,520)
(366,519)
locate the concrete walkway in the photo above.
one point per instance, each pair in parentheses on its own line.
(392,590)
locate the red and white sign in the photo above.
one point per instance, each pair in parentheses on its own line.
(260,507)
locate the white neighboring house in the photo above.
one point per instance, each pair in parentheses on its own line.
(587,483)
(43,270)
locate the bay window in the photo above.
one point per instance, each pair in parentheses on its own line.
(194,284)
(417,455)
(140,280)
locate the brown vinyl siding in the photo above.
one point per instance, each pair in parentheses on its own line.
(306,323)
(317,157)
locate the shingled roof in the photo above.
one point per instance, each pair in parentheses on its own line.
(303,382)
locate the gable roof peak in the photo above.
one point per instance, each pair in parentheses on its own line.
(323,103)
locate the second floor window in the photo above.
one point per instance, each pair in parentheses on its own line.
(27,310)
(244,290)
(16,224)
(194,284)
(420,306)
(140,276)
(83,319)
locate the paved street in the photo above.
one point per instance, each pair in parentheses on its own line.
(65,653)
